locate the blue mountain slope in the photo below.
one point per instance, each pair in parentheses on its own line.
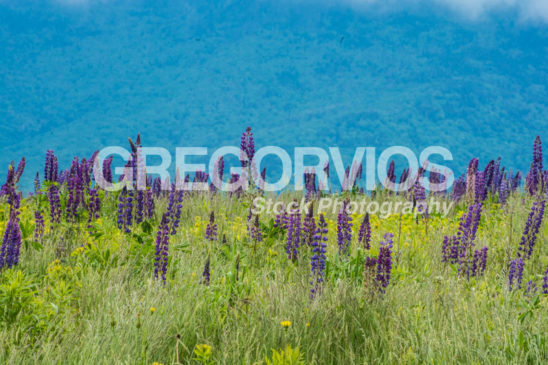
(79,78)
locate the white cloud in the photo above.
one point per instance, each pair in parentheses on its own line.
(525,10)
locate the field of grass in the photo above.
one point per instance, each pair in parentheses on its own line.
(84,294)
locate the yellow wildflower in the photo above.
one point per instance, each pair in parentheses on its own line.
(286,324)
(152,309)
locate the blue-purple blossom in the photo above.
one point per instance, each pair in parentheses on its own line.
(318,257)
(211,229)
(282,218)
(309,226)
(55,204)
(51,169)
(37,184)
(364,234)
(458,249)
(11,243)
(256,233)
(344,229)
(247,148)
(384,262)
(206,274)
(294,235)
(121,207)
(94,206)
(162,249)
(480,187)
(515,274)
(140,207)
(478,264)
(128,211)
(534,179)
(532,227)
(459,188)
(149,204)
(38,225)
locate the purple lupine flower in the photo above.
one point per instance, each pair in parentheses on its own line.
(162,249)
(318,258)
(391,174)
(418,195)
(498,174)
(515,181)
(157,187)
(149,204)
(459,188)
(457,249)
(531,288)
(515,274)
(221,168)
(94,206)
(545,285)
(107,170)
(483,260)
(535,175)
(532,227)
(364,234)
(488,175)
(128,211)
(9,188)
(256,233)
(467,235)
(479,262)
(121,207)
(403,181)
(51,167)
(480,187)
(309,226)
(503,191)
(37,185)
(446,246)
(384,262)
(206,275)
(140,207)
(473,268)
(233,179)
(176,210)
(211,229)
(11,243)
(344,229)
(247,148)
(471,179)
(38,225)
(282,218)
(84,177)
(294,235)
(55,204)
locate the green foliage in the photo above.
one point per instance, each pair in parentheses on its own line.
(287,356)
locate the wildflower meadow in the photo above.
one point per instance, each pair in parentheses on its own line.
(171,275)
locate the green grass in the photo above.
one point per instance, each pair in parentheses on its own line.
(94,305)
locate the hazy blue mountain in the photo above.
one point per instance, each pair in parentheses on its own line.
(79,78)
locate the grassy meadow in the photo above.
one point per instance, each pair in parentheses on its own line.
(88,294)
